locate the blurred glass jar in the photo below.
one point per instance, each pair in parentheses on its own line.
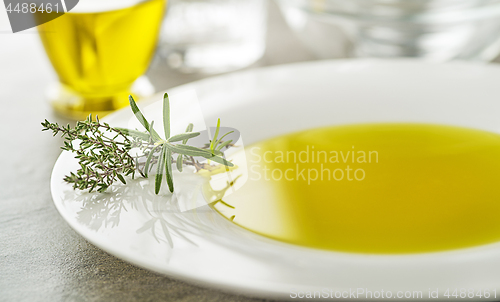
(213,36)
(437,30)
(100,52)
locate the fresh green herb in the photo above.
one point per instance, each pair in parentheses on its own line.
(104,152)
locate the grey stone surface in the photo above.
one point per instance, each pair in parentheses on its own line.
(41,257)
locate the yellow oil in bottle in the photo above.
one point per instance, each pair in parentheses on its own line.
(405,188)
(98,55)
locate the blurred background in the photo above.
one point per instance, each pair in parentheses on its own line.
(91,58)
(102,51)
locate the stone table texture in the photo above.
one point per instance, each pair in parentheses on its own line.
(41,257)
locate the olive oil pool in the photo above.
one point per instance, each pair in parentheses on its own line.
(374,188)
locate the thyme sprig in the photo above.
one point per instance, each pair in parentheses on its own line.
(104,153)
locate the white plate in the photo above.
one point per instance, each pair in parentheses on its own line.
(133,224)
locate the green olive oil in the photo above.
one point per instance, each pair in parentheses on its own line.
(374,188)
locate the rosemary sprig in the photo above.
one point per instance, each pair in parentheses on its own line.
(104,152)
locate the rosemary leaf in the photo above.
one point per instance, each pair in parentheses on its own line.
(159,170)
(183,137)
(214,139)
(188,150)
(179,162)
(220,139)
(168,168)
(138,114)
(153,133)
(224,144)
(166,115)
(148,161)
(180,158)
(188,129)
